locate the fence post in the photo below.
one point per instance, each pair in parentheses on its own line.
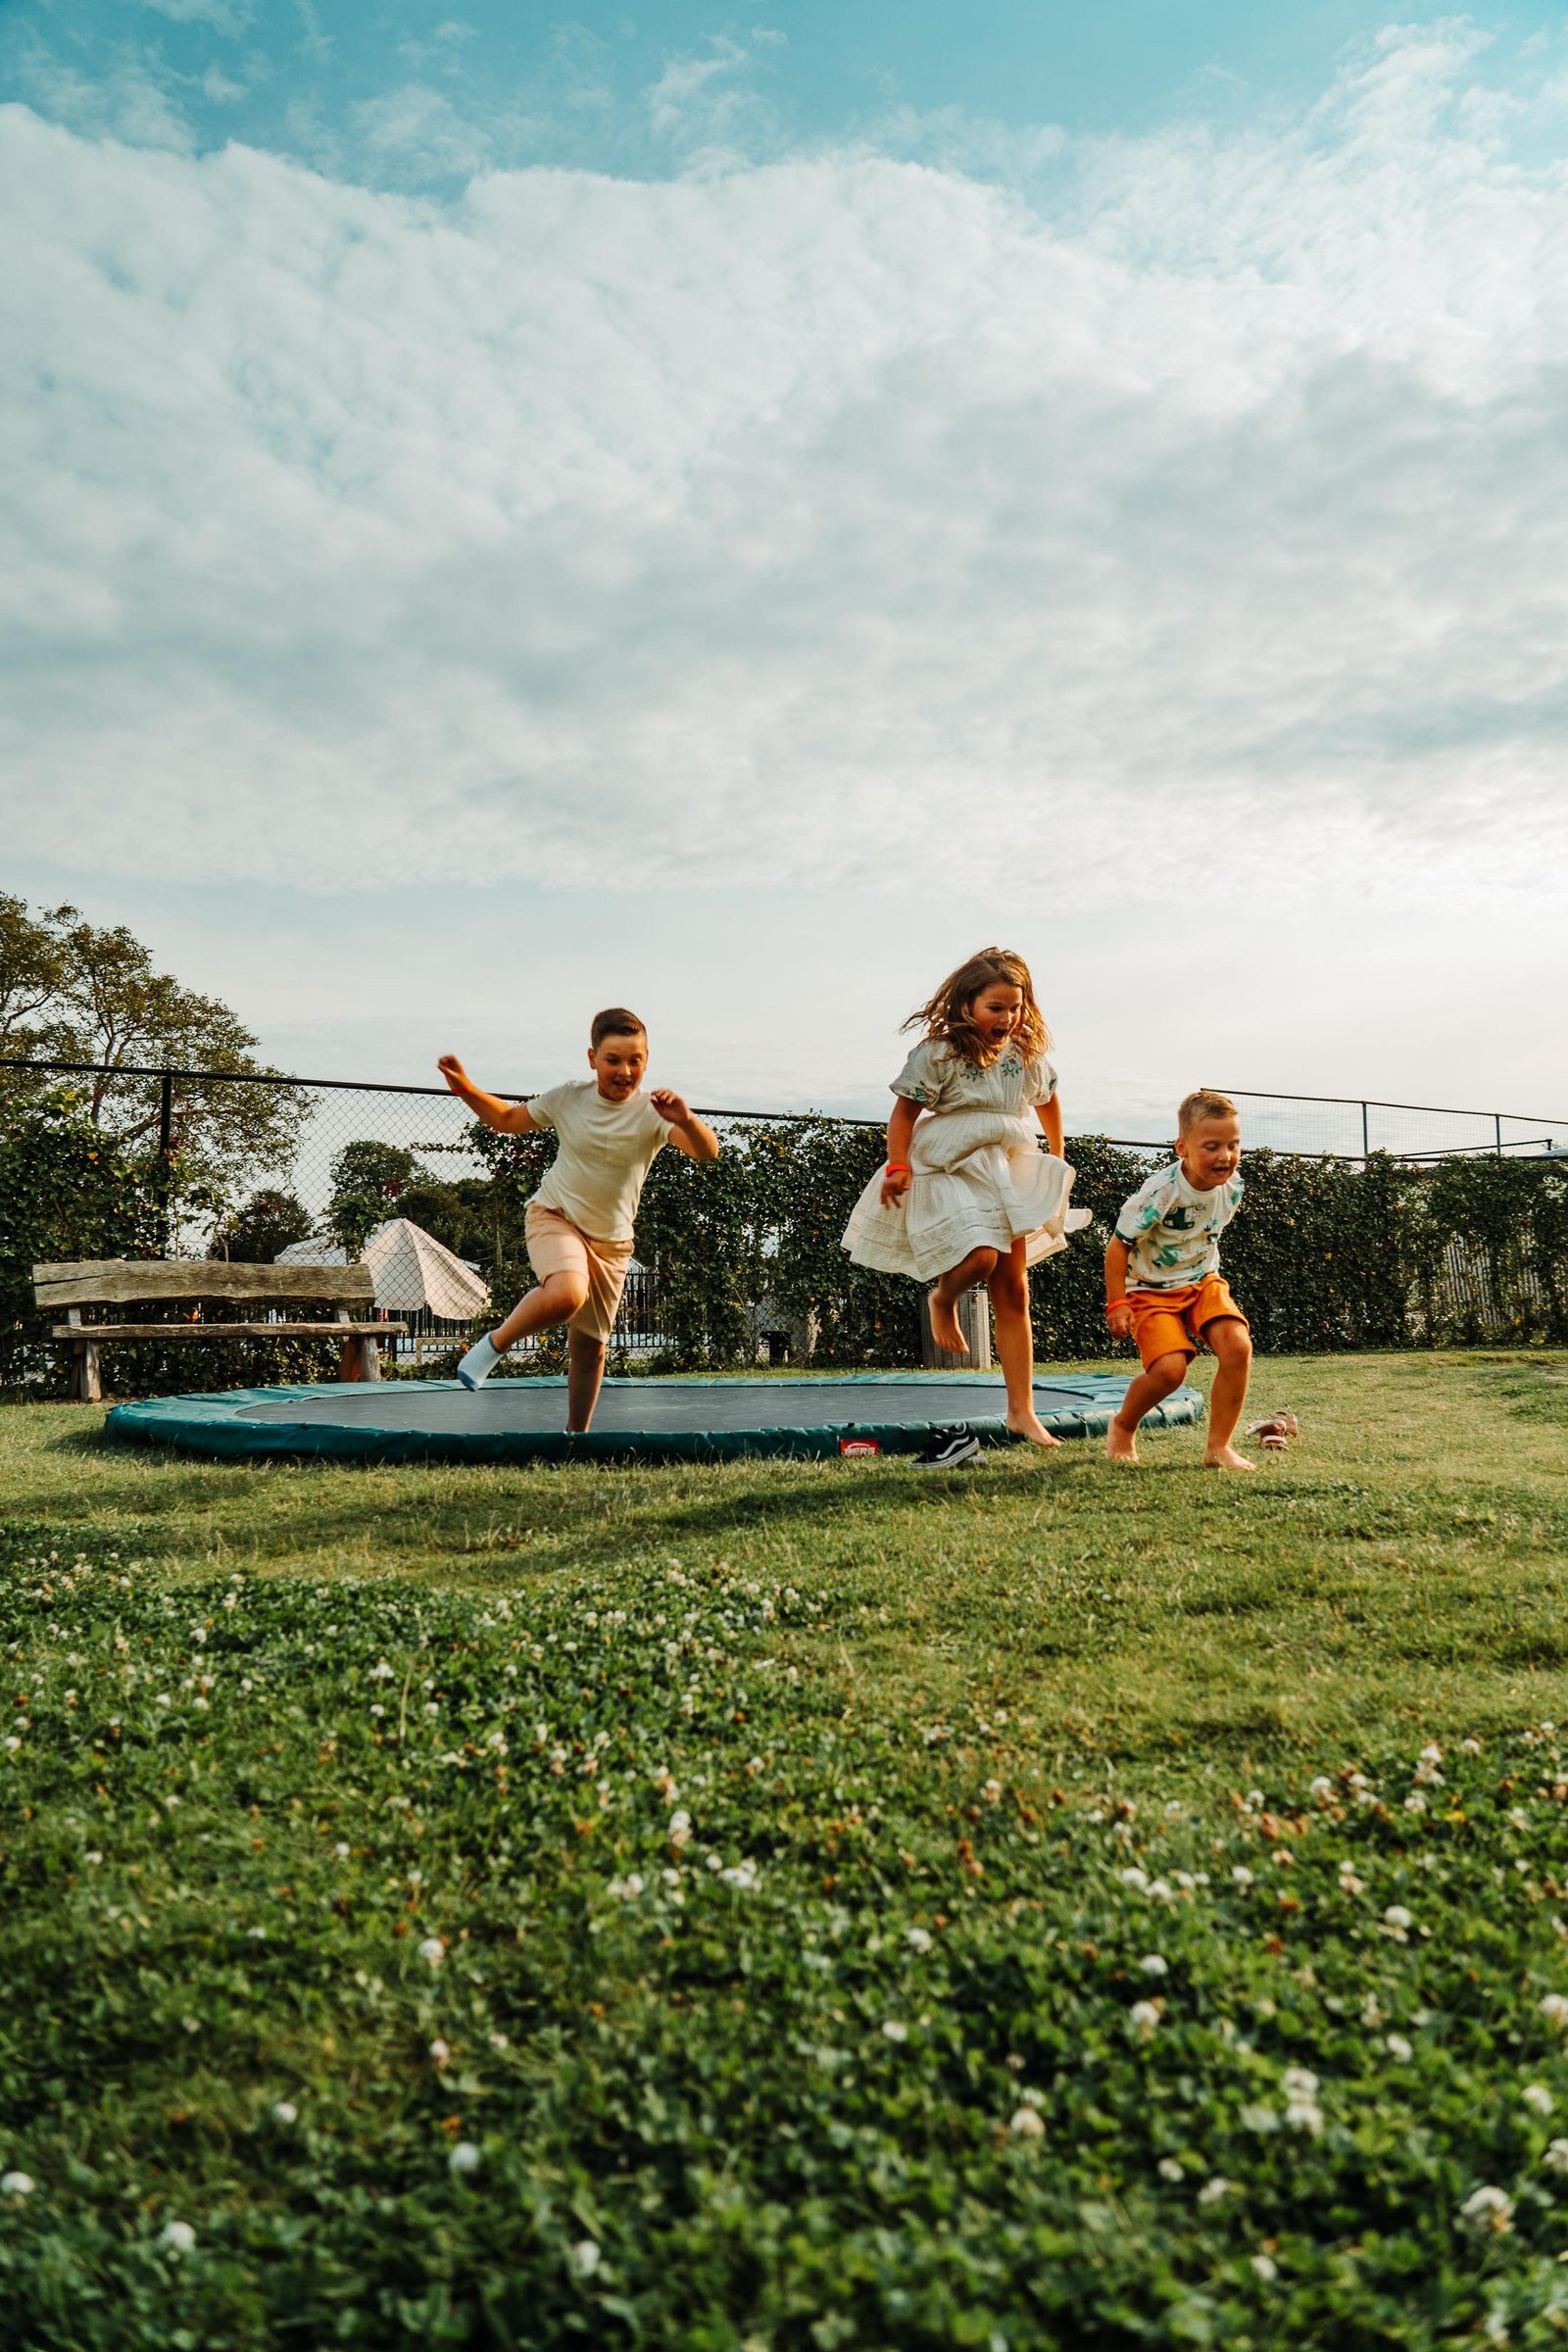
(1366,1135)
(1496,1126)
(165,1146)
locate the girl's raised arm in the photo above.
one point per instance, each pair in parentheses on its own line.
(1050,1116)
(508,1118)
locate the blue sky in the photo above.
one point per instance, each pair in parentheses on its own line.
(514,510)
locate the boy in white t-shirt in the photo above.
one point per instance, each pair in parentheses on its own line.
(579,1223)
(1163,1287)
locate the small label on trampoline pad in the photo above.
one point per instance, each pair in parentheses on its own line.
(852,1445)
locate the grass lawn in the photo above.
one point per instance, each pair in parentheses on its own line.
(795,1905)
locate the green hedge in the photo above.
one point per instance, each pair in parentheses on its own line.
(1324,1254)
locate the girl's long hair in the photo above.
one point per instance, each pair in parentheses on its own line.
(945,1017)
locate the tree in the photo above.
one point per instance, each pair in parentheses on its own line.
(367,1180)
(71,992)
(263,1227)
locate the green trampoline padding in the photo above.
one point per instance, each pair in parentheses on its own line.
(637,1420)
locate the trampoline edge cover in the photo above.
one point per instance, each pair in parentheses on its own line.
(638,1420)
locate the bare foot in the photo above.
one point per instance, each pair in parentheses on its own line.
(1030,1426)
(1226,1458)
(1121,1444)
(945,1329)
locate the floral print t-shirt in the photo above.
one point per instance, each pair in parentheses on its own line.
(1172,1230)
(939,1078)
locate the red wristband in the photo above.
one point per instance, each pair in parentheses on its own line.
(898,1167)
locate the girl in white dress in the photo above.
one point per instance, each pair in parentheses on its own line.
(968,1195)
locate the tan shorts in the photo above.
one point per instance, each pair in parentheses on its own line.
(556,1247)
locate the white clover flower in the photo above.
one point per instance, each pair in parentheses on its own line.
(1538,2098)
(1470,1747)
(463,2159)
(584,2257)
(1399,2049)
(284,2111)
(1133,1876)
(1372,2011)
(1168,2169)
(1303,2114)
(1298,2083)
(440,2051)
(1265,2267)
(1349,1883)
(1242,1875)
(1256,1800)
(1555,2009)
(895,2029)
(17,2184)
(680,1831)
(991,1792)
(626,1889)
(1555,2158)
(1160,1890)
(741,1873)
(1025,2124)
(432,1951)
(179,2237)
(1518,1818)
(1144,2016)
(1415,1803)
(918,1939)
(1488,2211)
(1152,1964)
(1398,1922)
(1322,1790)
(1213,2190)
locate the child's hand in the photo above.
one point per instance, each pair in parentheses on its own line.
(672,1107)
(1119,1316)
(452,1071)
(895,1184)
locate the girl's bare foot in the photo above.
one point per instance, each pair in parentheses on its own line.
(1030,1426)
(945,1329)
(1121,1444)
(1226,1458)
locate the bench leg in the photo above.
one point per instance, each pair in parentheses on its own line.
(86,1378)
(370,1359)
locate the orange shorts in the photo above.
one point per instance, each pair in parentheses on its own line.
(1170,1322)
(556,1247)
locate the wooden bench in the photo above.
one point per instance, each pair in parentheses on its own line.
(109,1282)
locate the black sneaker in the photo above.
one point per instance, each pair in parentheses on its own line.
(947,1448)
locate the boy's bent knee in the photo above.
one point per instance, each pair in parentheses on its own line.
(1169,1370)
(567,1293)
(1230,1339)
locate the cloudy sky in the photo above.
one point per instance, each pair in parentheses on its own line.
(511,511)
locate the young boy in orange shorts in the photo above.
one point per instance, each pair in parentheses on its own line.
(579,1225)
(1163,1287)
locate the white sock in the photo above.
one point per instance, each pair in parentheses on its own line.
(479,1362)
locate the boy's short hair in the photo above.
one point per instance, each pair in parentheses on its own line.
(614,1021)
(1203,1103)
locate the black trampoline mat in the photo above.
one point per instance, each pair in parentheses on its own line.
(444,1409)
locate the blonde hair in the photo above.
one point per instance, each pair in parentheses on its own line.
(946,1016)
(1203,1103)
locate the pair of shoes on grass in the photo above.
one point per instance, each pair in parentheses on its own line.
(948,1446)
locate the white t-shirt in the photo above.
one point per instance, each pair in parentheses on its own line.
(1172,1230)
(939,1077)
(607,1150)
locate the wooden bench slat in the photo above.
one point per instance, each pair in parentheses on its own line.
(127,1281)
(92,1333)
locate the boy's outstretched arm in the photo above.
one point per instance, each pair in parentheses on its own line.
(687,1132)
(506,1118)
(1118,1314)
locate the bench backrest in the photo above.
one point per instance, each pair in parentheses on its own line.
(132,1281)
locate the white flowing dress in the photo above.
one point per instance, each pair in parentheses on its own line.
(979,1177)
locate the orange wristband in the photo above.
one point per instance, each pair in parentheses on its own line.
(898,1167)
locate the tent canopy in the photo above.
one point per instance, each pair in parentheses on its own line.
(409,1267)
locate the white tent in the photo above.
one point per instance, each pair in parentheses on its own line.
(412,1270)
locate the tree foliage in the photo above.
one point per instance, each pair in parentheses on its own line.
(72,992)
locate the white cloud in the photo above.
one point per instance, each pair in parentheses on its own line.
(841,517)
(223,16)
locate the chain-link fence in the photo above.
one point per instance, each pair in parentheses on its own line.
(261,1166)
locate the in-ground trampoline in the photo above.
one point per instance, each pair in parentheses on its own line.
(637,1420)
